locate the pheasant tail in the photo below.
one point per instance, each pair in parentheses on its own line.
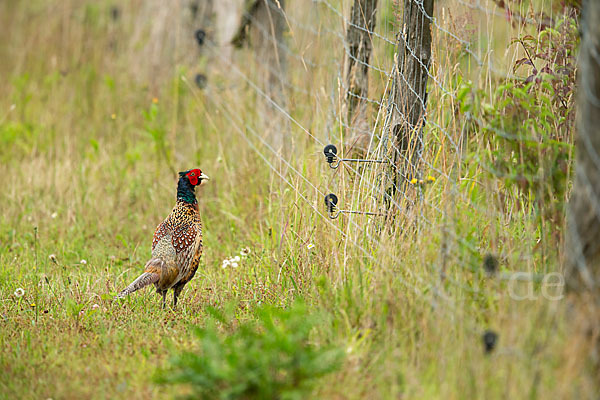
(145,279)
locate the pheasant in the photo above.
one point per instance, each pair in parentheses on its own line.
(177,243)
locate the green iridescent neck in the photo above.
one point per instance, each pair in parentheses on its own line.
(185,191)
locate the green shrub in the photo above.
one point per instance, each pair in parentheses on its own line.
(267,358)
(528,122)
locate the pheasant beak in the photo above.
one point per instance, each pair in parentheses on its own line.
(204,177)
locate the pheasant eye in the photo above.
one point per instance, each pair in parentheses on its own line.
(193,174)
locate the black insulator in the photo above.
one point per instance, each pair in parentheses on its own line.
(331,201)
(200,35)
(490,264)
(490,339)
(200,80)
(115,13)
(330,151)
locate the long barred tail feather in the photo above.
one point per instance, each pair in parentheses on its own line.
(145,279)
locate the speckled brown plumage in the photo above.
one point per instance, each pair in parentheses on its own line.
(177,243)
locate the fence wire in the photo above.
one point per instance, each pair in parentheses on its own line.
(440,182)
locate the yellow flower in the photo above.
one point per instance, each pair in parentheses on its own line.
(32,305)
(155,100)
(413,181)
(430,179)
(113,116)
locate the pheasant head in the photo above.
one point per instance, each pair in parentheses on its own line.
(188,180)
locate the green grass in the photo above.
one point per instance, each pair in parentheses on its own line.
(86,173)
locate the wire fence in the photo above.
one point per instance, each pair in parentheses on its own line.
(423,169)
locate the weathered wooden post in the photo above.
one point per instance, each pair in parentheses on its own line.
(582,251)
(262,27)
(358,53)
(409,95)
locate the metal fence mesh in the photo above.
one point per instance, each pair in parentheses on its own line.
(440,184)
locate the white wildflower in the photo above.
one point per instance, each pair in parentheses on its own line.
(83,262)
(226,263)
(19,292)
(245,252)
(95,307)
(52,258)
(234,264)
(310,246)
(236,259)
(54,215)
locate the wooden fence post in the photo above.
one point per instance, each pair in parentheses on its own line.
(410,89)
(582,250)
(360,45)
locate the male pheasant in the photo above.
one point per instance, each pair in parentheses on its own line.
(177,243)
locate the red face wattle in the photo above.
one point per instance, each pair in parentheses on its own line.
(194,176)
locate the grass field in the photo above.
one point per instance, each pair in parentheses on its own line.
(94,121)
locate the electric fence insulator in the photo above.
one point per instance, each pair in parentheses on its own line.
(330,152)
(331,201)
